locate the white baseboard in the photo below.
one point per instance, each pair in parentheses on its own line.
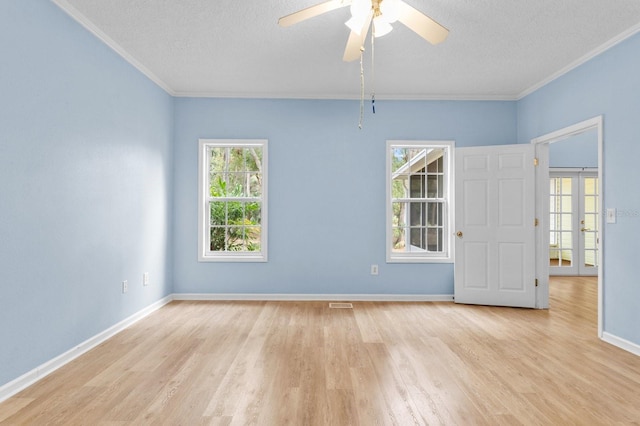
(621,343)
(317,297)
(29,378)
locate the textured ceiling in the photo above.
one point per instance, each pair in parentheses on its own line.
(496,49)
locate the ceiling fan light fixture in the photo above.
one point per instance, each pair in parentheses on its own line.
(381,27)
(360,10)
(389,10)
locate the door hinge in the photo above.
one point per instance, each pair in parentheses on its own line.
(536,222)
(536,282)
(535,161)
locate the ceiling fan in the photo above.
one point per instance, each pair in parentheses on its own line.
(382,12)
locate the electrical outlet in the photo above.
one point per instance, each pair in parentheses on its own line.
(125,286)
(374,269)
(145,279)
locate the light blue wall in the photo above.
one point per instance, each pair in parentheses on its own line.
(608,85)
(326,190)
(85,186)
(577,151)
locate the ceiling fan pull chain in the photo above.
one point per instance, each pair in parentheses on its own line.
(361,88)
(373,73)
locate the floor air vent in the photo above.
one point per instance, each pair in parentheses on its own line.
(341,305)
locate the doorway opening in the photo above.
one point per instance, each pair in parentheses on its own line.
(592,128)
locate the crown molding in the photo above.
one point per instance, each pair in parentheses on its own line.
(93,29)
(575,64)
(342,96)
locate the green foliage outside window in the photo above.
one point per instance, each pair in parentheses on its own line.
(235,179)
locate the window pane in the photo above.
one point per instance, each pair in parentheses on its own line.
(255,184)
(253,235)
(217,184)
(435,166)
(416,216)
(218,159)
(590,186)
(253,158)
(418,238)
(566,222)
(236,160)
(553,186)
(398,242)
(218,213)
(399,158)
(434,239)
(400,188)
(590,204)
(217,239)
(253,213)
(434,186)
(399,214)
(235,185)
(434,214)
(234,238)
(416,188)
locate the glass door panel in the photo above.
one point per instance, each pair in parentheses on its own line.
(573,223)
(589,225)
(560,224)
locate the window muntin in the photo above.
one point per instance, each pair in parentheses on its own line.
(232,205)
(418,201)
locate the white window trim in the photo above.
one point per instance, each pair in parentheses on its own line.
(423,257)
(204,255)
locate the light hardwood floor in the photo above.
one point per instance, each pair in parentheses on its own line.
(301,363)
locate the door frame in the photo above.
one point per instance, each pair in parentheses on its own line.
(542,206)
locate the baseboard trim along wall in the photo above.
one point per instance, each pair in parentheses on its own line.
(317,297)
(29,378)
(621,343)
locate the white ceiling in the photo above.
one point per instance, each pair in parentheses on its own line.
(496,49)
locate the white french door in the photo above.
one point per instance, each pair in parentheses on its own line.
(495,226)
(573,222)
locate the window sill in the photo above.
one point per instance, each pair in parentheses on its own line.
(233,258)
(418,259)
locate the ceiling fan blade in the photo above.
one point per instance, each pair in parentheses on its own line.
(356,41)
(312,11)
(421,24)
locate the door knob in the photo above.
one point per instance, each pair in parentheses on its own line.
(459,234)
(585,229)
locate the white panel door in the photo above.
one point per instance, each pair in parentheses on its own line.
(495,229)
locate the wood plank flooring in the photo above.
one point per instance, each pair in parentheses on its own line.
(301,363)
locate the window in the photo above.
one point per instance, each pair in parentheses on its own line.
(418,201)
(232,200)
